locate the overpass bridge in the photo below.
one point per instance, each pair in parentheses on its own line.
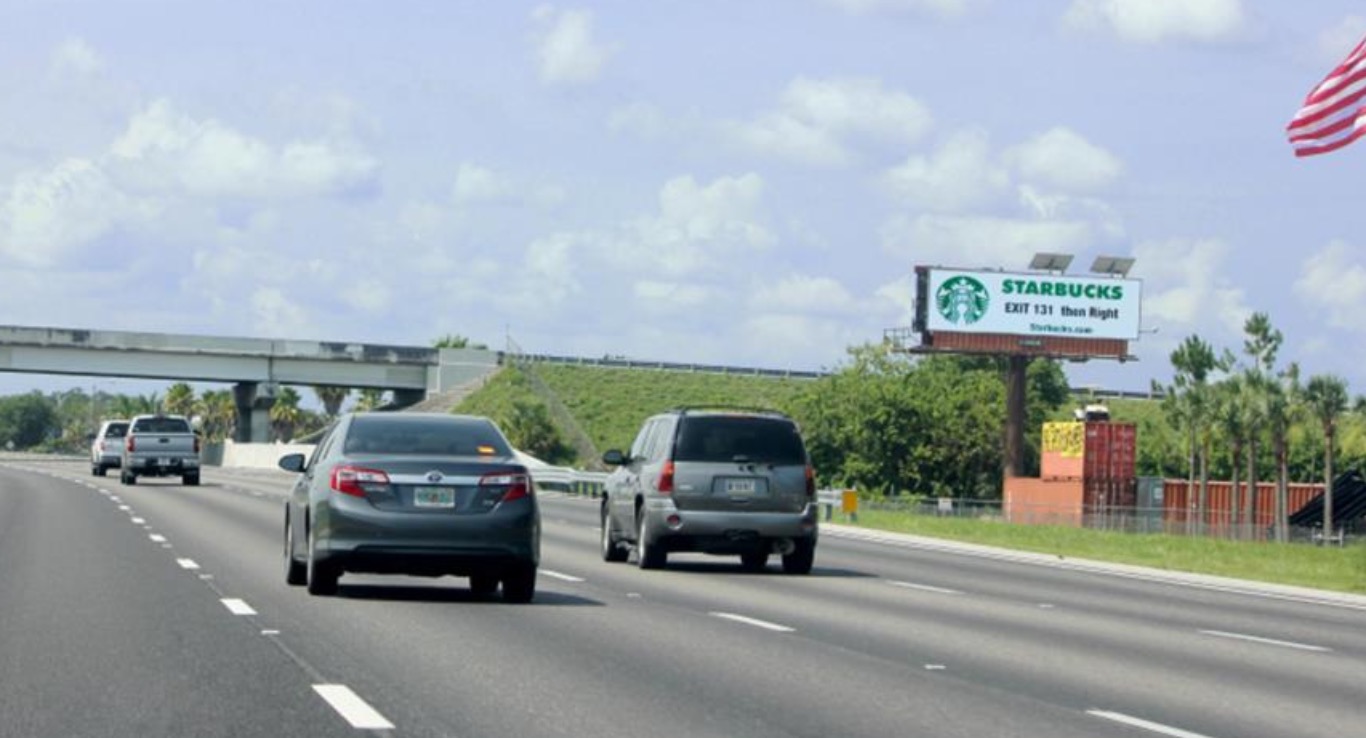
(255,367)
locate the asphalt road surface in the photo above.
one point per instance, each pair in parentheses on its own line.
(161,610)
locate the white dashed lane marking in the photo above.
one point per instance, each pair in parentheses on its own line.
(1265,641)
(157,538)
(1148,725)
(187,564)
(925,588)
(561,577)
(237,607)
(775,627)
(351,707)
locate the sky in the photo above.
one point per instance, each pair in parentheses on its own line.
(747,183)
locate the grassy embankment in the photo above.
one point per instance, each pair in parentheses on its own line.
(609,405)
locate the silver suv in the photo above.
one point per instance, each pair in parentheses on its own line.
(106,446)
(714,480)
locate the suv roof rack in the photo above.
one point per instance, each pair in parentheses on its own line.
(685,409)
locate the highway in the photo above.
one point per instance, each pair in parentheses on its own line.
(161,610)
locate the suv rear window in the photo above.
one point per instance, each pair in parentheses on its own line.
(116,430)
(730,438)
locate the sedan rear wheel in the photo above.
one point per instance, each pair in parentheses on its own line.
(519,583)
(483,585)
(322,577)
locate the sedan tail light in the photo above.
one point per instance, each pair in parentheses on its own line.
(352,480)
(518,485)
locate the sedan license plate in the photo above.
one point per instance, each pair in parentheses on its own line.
(740,486)
(434,497)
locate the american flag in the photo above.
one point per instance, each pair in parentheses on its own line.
(1334,113)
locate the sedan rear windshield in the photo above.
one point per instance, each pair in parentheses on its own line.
(726,438)
(391,434)
(161,425)
(116,430)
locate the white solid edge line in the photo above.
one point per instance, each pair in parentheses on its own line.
(924,588)
(187,564)
(351,707)
(1265,641)
(237,607)
(753,621)
(561,577)
(1132,721)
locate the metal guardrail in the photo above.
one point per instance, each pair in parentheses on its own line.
(572,481)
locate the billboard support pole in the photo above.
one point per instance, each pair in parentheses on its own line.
(1017,383)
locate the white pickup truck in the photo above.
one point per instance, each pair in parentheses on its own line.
(160,446)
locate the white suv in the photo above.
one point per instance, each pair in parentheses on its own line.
(106,446)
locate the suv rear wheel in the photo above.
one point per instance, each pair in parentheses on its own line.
(649,555)
(611,548)
(801,559)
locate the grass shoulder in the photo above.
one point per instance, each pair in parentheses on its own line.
(1330,568)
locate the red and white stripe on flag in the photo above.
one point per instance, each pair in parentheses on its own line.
(1334,113)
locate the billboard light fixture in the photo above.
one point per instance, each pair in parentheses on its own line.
(1050,262)
(1115,266)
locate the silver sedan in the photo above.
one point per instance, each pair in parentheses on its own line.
(423,494)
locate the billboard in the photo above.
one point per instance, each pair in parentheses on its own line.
(963,301)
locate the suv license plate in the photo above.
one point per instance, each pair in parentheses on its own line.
(739,486)
(434,497)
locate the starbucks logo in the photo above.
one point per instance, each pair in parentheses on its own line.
(962,300)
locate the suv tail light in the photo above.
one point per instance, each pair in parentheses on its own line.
(518,485)
(810,483)
(352,480)
(665,485)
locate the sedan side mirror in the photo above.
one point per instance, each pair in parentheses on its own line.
(615,458)
(293,462)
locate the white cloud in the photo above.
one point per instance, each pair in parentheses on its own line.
(673,295)
(1063,159)
(475,184)
(165,151)
(277,316)
(819,120)
(48,216)
(566,51)
(938,8)
(1337,42)
(1157,21)
(1184,283)
(76,57)
(802,294)
(961,175)
(1333,279)
(980,241)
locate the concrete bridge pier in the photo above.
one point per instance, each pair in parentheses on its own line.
(254,400)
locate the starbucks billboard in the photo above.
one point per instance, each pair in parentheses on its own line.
(1032,304)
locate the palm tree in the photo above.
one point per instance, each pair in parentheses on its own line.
(331,398)
(370,399)
(179,399)
(1326,397)
(218,412)
(285,414)
(1269,398)
(1230,416)
(1194,362)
